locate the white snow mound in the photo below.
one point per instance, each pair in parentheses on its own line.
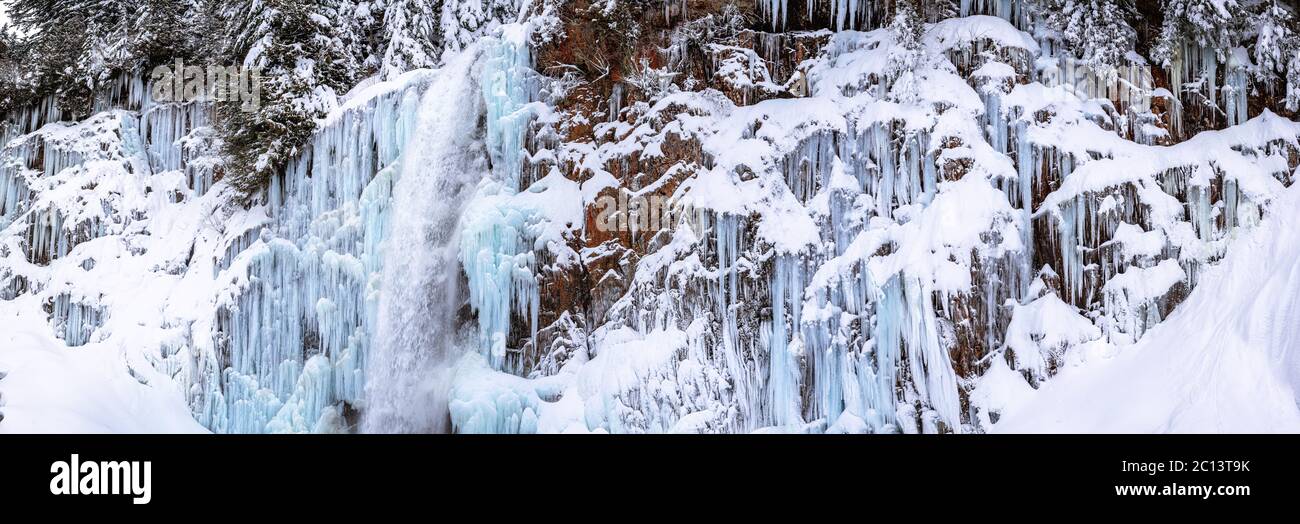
(1226,361)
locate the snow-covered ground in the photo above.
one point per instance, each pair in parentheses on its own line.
(50,388)
(1226,361)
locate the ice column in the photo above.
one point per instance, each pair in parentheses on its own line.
(783,365)
(495,245)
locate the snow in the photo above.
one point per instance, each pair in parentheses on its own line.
(1137,244)
(962,32)
(1225,361)
(1000,389)
(1042,330)
(48,388)
(742,69)
(1144,284)
(994,70)
(832,251)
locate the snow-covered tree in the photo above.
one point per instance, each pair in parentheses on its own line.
(463,21)
(306,52)
(72,39)
(1097,31)
(15,72)
(907,28)
(1208,24)
(79,45)
(39,16)
(907,25)
(411,36)
(368,26)
(164,30)
(1275,38)
(70,42)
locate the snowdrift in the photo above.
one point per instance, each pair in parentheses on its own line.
(1225,361)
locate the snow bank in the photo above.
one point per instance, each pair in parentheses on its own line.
(955,33)
(48,388)
(1225,361)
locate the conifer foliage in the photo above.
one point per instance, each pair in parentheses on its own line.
(307,54)
(1276,51)
(1208,24)
(412,30)
(1098,31)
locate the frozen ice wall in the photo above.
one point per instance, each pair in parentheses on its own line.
(857,259)
(298,315)
(909,243)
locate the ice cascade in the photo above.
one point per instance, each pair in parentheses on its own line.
(415,339)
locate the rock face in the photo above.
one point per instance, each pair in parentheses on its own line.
(856,241)
(718,221)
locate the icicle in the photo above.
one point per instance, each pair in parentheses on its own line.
(783,368)
(930,366)
(174,134)
(880,139)
(509,87)
(1071,259)
(500,265)
(496,251)
(1234,96)
(727,240)
(776,11)
(75,321)
(879,368)
(1010,10)
(1027,167)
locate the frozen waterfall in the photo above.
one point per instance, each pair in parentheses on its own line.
(421,290)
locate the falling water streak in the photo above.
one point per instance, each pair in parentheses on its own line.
(408,372)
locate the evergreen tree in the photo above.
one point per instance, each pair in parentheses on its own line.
(1275,38)
(344,38)
(306,54)
(108,48)
(39,16)
(78,45)
(165,30)
(1209,24)
(411,36)
(15,78)
(1097,31)
(368,22)
(58,43)
(463,21)
(59,38)
(908,28)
